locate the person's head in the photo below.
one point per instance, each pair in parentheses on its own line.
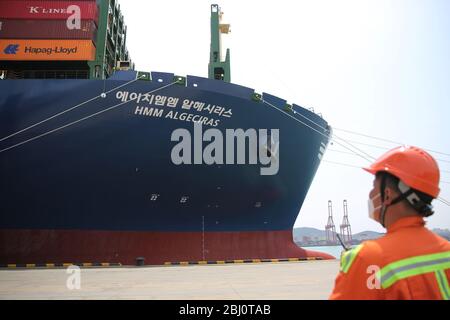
(406,181)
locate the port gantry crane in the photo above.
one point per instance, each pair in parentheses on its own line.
(330,228)
(346,229)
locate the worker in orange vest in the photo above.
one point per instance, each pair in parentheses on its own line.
(409,261)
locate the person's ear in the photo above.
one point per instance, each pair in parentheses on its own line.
(388,194)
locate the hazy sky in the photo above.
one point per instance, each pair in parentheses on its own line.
(376,67)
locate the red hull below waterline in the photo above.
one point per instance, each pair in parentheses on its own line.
(74,246)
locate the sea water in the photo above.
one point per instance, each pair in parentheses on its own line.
(335,251)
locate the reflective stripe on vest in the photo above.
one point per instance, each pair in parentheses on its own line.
(409,267)
(348,257)
(443,284)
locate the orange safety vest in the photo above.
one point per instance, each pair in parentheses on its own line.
(409,262)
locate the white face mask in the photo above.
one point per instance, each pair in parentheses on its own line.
(372,208)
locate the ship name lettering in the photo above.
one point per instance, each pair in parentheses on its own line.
(175,115)
(149,112)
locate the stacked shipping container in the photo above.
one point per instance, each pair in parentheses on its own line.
(45,30)
(47,10)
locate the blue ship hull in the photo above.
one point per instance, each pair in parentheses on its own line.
(106,189)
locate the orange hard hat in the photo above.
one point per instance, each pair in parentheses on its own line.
(412,165)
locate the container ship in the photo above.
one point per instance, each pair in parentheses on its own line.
(87,170)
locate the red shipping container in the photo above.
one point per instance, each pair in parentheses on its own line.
(50,10)
(46,29)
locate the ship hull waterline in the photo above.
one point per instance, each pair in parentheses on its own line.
(157,248)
